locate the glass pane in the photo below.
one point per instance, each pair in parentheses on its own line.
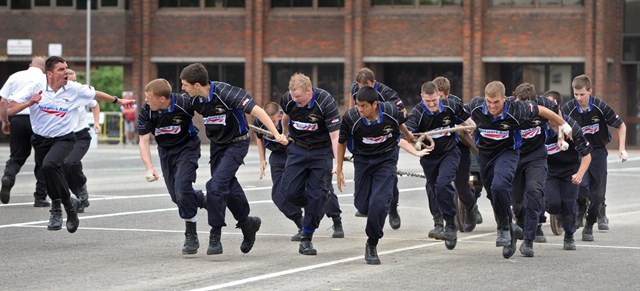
(572,2)
(82,5)
(280,75)
(631,49)
(330,3)
(109,3)
(452,2)
(559,80)
(235,3)
(280,3)
(233,74)
(381,2)
(42,3)
(302,3)
(535,75)
(189,3)
(501,2)
(3,3)
(330,79)
(403,2)
(168,3)
(429,2)
(20,4)
(64,3)
(545,3)
(631,19)
(523,3)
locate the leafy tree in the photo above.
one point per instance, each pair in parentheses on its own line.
(107,79)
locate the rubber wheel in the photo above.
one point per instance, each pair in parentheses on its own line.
(556,228)
(460,213)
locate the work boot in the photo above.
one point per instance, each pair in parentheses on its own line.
(338,232)
(478,215)
(191,243)
(201,199)
(306,247)
(515,232)
(41,202)
(394,217)
(470,220)
(371,255)
(297,236)
(72,214)
(587,232)
(358,214)
(5,191)
(503,233)
(215,246)
(438,227)
(55,220)
(451,230)
(249,228)
(569,243)
(526,248)
(603,220)
(83,196)
(540,238)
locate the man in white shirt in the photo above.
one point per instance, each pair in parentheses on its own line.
(54,115)
(20,134)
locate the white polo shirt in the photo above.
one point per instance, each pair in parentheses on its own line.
(21,80)
(57,113)
(83,121)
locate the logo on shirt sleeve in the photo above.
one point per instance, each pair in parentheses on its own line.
(245,101)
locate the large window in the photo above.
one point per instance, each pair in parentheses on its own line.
(201,3)
(306,3)
(536,3)
(544,77)
(407,78)
(228,73)
(631,32)
(329,77)
(77,4)
(410,3)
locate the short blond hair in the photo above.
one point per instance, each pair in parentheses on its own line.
(300,81)
(495,89)
(159,87)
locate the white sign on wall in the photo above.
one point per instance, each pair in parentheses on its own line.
(55,49)
(19,47)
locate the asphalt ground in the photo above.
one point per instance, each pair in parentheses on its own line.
(131,236)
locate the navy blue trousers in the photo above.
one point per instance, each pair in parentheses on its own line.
(223,189)
(441,172)
(179,165)
(594,183)
(528,186)
(374,178)
(560,199)
(463,189)
(306,182)
(497,175)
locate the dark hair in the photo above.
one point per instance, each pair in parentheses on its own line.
(429,88)
(582,81)
(525,91)
(272,108)
(195,73)
(367,94)
(51,62)
(556,96)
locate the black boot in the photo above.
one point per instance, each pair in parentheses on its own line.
(83,196)
(438,227)
(587,232)
(515,232)
(526,248)
(394,217)
(55,220)
(72,214)
(215,246)
(569,243)
(504,234)
(191,243)
(371,255)
(450,234)
(470,220)
(297,236)
(478,215)
(249,228)
(540,238)
(338,232)
(306,247)
(603,220)
(5,191)
(40,201)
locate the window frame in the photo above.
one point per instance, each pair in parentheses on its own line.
(536,4)
(417,4)
(202,6)
(314,6)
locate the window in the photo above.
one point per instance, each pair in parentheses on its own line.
(306,3)
(328,77)
(544,77)
(536,3)
(78,4)
(407,78)
(228,73)
(410,3)
(201,3)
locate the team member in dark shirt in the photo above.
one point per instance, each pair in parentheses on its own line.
(567,166)
(441,165)
(168,117)
(595,116)
(312,119)
(372,130)
(365,77)
(531,172)
(223,108)
(498,139)
(461,181)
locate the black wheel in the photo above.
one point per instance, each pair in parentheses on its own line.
(556,227)
(460,213)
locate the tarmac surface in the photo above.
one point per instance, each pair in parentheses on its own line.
(131,236)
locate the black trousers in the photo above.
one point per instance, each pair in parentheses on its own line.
(50,154)
(20,150)
(73,164)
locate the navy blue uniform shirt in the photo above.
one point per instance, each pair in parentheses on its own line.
(172,126)
(372,137)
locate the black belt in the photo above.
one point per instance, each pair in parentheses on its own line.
(240,138)
(311,146)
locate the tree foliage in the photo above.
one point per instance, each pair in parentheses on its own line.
(107,79)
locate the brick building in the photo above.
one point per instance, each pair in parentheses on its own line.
(259,44)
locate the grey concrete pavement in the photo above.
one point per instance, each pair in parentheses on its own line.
(131,236)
